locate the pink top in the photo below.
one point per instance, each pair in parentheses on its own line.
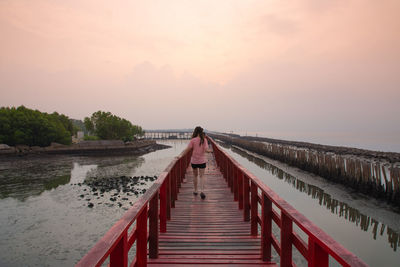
(198,155)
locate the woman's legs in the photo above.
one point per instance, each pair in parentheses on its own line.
(195,173)
(202,180)
(203,196)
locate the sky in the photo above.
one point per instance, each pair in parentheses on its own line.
(315,70)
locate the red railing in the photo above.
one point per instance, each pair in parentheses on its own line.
(150,212)
(250,192)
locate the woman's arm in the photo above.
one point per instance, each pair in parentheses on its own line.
(208,150)
(187,149)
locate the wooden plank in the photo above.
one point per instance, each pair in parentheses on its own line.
(213,264)
(226,256)
(209,253)
(207,261)
(210,231)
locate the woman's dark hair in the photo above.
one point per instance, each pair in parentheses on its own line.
(198,131)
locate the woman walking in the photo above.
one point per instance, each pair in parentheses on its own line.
(199,145)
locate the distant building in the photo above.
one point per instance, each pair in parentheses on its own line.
(78,137)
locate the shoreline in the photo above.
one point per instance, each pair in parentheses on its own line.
(102,147)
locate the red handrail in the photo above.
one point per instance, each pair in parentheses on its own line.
(151,211)
(246,188)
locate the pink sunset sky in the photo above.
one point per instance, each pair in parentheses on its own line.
(295,69)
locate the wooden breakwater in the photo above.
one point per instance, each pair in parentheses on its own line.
(375,175)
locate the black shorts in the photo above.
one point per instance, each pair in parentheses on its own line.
(199,166)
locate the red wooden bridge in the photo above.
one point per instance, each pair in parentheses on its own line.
(231,227)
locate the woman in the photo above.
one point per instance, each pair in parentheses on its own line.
(199,145)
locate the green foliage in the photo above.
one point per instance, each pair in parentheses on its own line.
(31,127)
(90,138)
(110,127)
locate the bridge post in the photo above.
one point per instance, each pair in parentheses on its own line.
(163,207)
(240,188)
(254,209)
(228,173)
(317,256)
(175,179)
(153,227)
(246,198)
(266,228)
(141,241)
(178,174)
(226,170)
(235,183)
(286,240)
(173,187)
(119,256)
(168,183)
(231,176)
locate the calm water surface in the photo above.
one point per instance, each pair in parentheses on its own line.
(368,228)
(45,222)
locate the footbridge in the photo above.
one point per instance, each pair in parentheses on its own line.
(232,226)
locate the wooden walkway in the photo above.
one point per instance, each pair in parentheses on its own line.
(208,232)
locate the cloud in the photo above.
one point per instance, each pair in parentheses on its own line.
(309,66)
(271,23)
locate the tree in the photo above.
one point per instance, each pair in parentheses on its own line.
(34,128)
(110,127)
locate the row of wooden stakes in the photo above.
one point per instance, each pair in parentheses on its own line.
(375,178)
(342,209)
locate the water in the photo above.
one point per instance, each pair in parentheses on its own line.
(45,222)
(365,226)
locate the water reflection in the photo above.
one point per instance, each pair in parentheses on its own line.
(21,178)
(24,177)
(115,167)
(62,180)
(335,206)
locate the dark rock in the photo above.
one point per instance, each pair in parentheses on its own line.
(90,205)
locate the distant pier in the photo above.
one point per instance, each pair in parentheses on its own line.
(153,134)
